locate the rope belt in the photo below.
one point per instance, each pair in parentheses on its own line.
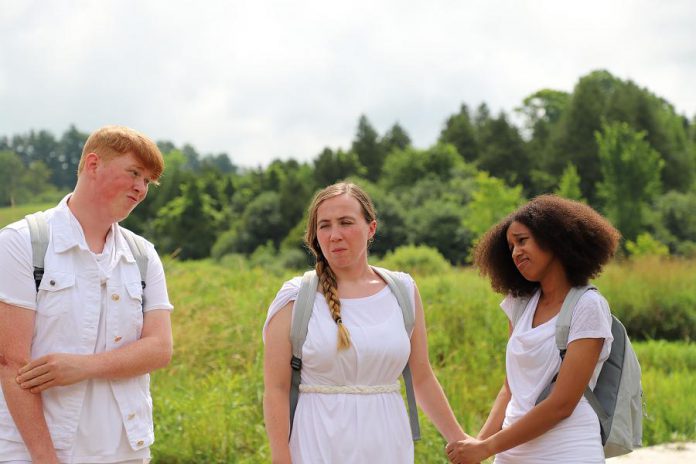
(351,389)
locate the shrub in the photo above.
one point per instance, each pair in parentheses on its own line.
(415,260)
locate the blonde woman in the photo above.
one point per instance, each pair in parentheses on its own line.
(355,337)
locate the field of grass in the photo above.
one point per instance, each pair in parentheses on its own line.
(208,401)
(10,215)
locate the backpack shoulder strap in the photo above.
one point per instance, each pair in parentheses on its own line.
(566,315)
(302,311)
(408,310)
(520,303)
(138,248)
(39,234)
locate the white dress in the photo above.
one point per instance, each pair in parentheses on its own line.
(532,360)
(351,428)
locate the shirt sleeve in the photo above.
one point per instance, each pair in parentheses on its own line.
(591,318)
(287,293)
(17,286)
(155,292)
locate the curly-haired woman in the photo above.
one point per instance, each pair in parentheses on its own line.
(538,253)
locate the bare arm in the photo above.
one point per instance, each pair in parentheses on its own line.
(429,393)
(152,351)
(276,378)
(575,373)
(494,423)
(16,331)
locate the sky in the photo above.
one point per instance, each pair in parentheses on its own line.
(275,79)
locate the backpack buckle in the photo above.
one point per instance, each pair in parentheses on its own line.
(296,363)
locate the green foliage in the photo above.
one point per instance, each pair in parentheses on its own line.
(653,297)
(460,132)
(502,151)
(415,259)
(176,229)
(440,224)
(646,245)
(403,168)
(370,152)
(491,201)
(10,215)
(569,185)
(631,176)
(677,221)
(208,402)
(331,167)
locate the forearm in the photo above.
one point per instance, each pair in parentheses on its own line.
(138,358)
(27,412)
(535,423)
(494,423)
(276,414)
(432,400)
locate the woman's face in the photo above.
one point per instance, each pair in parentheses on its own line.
(532,261)
(343,232)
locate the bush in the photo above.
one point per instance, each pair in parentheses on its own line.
(646,245)
(415,260)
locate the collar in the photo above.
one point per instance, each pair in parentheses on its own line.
(67,233)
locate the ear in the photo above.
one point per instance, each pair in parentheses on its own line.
(92,162)
(373,229)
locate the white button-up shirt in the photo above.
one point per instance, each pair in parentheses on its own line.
(81,308)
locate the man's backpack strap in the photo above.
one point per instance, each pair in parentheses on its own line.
(39,234)
(401,292)
(139,249)
(302,311)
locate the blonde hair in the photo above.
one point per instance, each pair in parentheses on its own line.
(327,278)
(112,141)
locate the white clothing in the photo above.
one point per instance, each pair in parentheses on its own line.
(87,303)
(532,359)
(343,427)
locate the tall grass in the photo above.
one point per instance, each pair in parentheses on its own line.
(208,401)
(9,215)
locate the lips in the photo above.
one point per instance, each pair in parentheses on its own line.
(522,263)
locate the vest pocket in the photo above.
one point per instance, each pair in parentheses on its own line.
(55,293)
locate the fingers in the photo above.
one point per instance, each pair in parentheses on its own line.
(31,374)
(33,364)
(44,386)
(36,380)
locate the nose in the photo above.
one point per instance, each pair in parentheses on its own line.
(515,251)
(140,186)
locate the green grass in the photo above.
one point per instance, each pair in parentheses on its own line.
(208,401)
(9,215)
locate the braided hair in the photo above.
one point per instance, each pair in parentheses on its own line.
(327,279)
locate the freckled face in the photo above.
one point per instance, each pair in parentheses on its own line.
(122,184)
(532,261)
(343,232)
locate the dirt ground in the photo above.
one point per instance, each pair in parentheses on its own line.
(672,453)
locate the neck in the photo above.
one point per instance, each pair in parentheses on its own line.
(354,274)
(92,219)
(555,285)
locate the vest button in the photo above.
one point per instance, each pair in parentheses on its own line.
(115,297)
(52,282)
(140,443)
(117,338)
(131,416)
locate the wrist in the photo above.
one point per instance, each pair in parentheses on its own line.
(490,446)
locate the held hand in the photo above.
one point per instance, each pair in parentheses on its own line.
(52,370)
(467,451)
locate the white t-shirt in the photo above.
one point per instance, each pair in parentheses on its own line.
(532,359)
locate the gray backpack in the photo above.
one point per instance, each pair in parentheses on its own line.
(39,233)
(298,333)
(618,396)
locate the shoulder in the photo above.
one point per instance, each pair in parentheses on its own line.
(288,292)
(592,301)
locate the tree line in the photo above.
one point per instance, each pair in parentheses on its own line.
(609,142)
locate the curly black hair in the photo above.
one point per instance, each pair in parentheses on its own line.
(578,235)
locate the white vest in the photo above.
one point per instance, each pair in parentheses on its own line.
(67,319)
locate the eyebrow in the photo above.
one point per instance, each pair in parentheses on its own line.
(340,219)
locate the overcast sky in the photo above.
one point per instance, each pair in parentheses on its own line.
(261,80)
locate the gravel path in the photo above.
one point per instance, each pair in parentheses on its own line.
(672,453)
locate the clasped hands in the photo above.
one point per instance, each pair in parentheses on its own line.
(52,370)
(468,451)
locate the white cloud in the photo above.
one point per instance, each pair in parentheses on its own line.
(268,79)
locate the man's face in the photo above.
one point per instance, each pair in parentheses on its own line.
(122,183)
